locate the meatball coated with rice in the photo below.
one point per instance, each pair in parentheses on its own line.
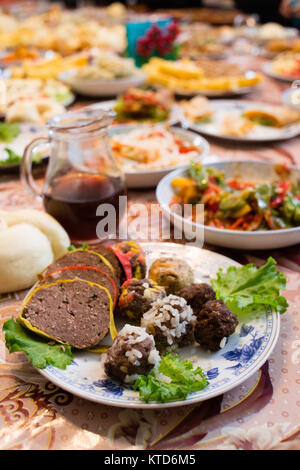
(214,324)
(170,320)
(137,296)
(133,353)
(171,273)
(197,295)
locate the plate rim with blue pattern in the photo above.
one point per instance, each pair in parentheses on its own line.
(246,351)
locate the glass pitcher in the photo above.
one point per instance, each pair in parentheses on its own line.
(81,174)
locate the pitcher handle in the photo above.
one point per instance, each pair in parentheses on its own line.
(26,166)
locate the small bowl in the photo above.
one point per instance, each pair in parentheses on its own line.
(259,240)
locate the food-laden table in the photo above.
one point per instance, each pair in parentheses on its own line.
(262,413)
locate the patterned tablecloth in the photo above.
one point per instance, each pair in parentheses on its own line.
(262,413)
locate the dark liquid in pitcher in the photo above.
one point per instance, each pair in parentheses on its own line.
(73,200)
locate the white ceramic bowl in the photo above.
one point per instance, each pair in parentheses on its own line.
(100,87)
(267,69)
(291,98)
(245,170)
(150,178)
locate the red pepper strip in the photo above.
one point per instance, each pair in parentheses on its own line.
(212,188)
(87,267)
(234,184)
(213,207)
(237,223)
(156,134)
(123,260)
(188,149)
(277,201)
(218,223)
(282,187)
(8,58)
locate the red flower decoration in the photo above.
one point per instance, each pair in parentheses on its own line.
(157,40)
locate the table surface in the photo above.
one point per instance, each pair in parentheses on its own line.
(262,413)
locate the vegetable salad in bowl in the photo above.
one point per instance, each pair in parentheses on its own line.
(240,205)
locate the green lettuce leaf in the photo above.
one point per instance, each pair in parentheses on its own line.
(248,288)
(84,246)
(9,131)
(38,350)
(184,380)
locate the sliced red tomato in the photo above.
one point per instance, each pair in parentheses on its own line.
(282,189)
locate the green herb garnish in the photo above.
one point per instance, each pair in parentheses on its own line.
(84,246)
(184,379)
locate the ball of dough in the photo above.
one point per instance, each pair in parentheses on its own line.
(3,224)
(58,237)
(24,252)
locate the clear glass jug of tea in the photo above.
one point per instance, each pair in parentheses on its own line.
(81,174)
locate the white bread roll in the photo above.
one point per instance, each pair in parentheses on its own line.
(55,233)
(24,252)
(3,224)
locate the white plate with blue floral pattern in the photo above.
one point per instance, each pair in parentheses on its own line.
(246,351)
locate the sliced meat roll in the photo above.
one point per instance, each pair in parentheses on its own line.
(82,258)
(87,273)
(74,312)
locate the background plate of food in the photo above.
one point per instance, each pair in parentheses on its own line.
(291,97)
(14,137)
(247,204)
(106,74)
(274,47)
(187,77)
(139,105)
(36,88)
(246,121)
(285,67)
(261,34)
(147,152)
(171,359)
(101,87)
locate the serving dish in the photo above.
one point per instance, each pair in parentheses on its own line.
(214,94)
(268,70)
(291,97)
(149,178)
(233,108)
(246,351)
(187,77)
(261,34)
(110,104)
(257,240)
(101,87)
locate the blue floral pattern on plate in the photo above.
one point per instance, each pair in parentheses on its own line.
(246,351)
